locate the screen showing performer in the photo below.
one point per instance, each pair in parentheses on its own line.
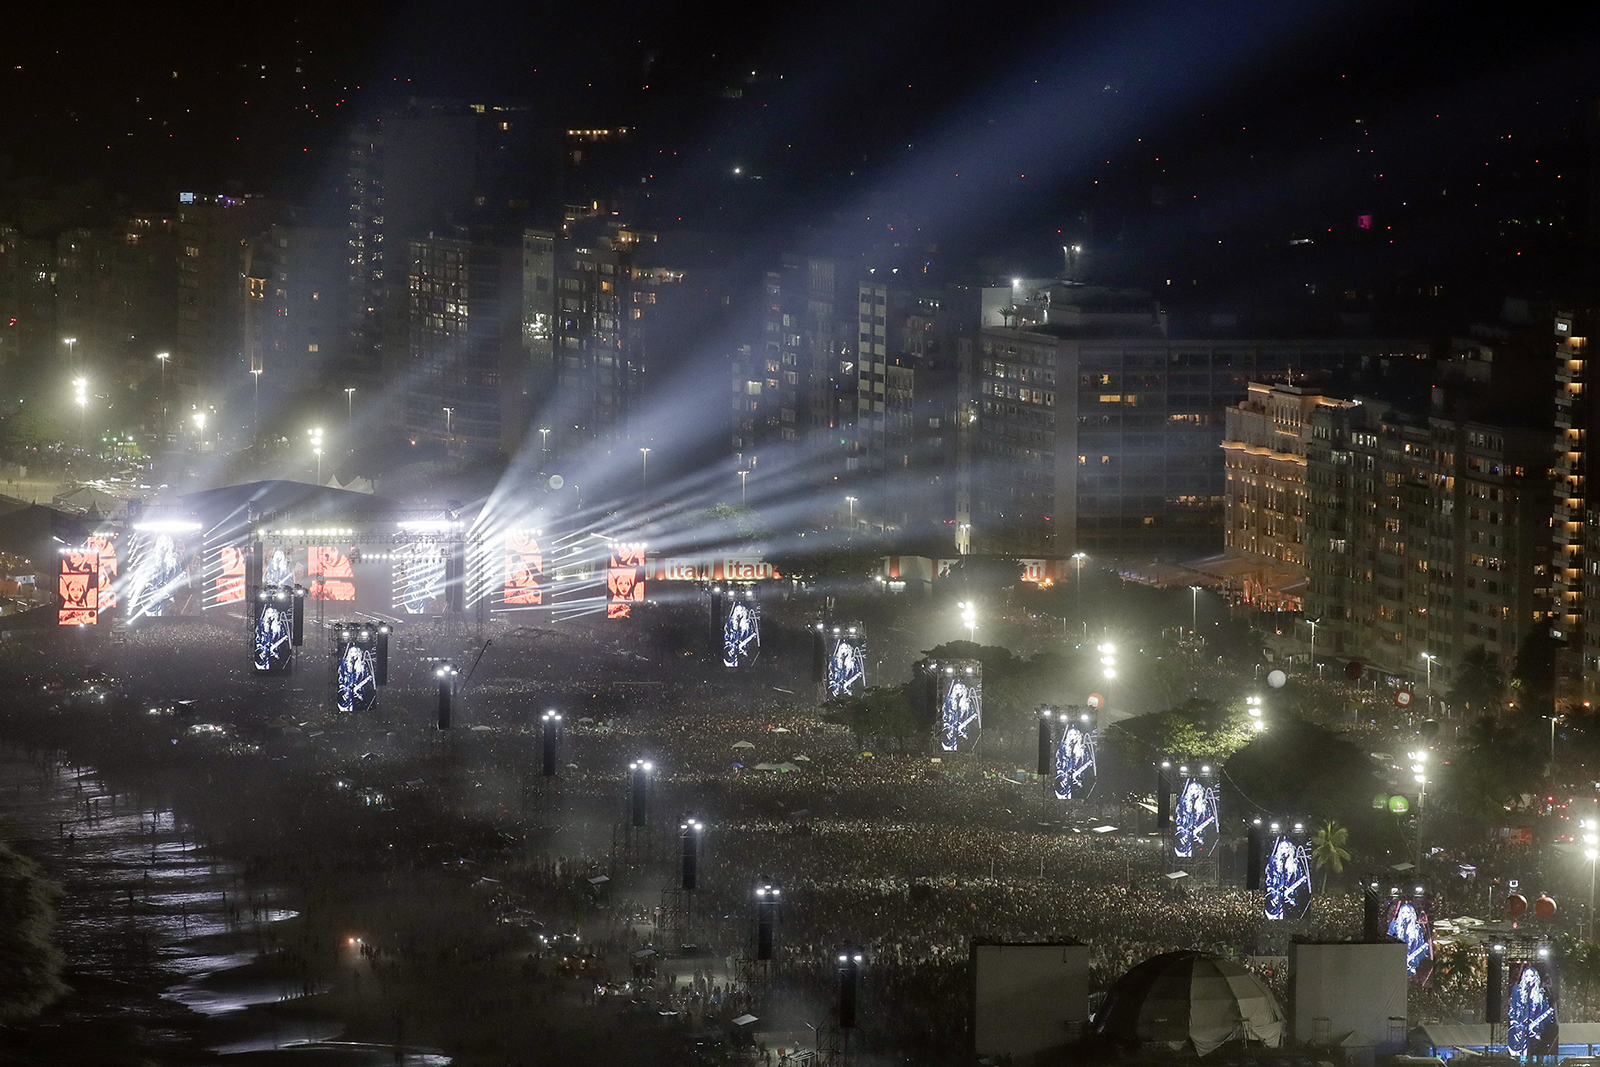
(1194,819)
(960,709)
(1530,1010)
(1075,766)
(358,687)
(272,635)
(741,633)
(847,666)
(1409,924)
(1287,878)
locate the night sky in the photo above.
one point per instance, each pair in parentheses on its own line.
(1153,131)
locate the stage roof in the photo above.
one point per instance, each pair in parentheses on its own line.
(301,499)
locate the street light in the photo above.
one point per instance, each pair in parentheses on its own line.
(81,386)
(852,501)
(69,342)
(448,412)
(644,467)
(1428,658)
(1591,852)
(1108,659)
(1313,624)
(316,449)
(1194,609)
(349,407)
(969,618)
(255,372)
(1253,706)
(1078,558)
(163,357)
(742,476)
(544,442)
(1419,774)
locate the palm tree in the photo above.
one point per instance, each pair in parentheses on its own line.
(1328,850)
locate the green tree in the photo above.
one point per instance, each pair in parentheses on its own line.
(1479,683)
(30,963)
(30,424)
(1329,851)
(1534,675)
(880,711)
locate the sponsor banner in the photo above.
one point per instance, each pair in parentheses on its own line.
(731,569)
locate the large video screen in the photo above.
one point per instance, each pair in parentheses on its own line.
(741,633)
(624,581)
(419,574)
(1195,819)
(77,586)
(960,707)
(230,581)
(847,664)
(357,688)
(1406,920)
(1531,1009)
(158,579)
(277,570)
(106,545)
(1286,877)
(273,620)
(1075,770)
(332,576)
(524,570)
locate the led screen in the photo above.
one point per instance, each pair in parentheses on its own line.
(524,564)
(77,585)
(419,579)
(272,623)
(1407,921)
(106,545)
(847,665)
(624,581)
(357,683)
(1531,1009)
(1194,819)
(741,633)
(230,579)
(278,570)
(960,708)
(158,575)
(332,577)
(1075,767)
(1286,877)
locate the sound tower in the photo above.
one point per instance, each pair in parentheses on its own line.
(1494,1007)
(639,794)
(1047,741)
(689,851)
(767,898)
(380,666)
(550,732)
(297,619)
(1163,796)
(446,676)
(849,979)
(819,654)
(1252,856)
(1372,929)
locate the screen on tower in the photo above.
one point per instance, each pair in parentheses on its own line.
(229,586)
(106,546)
(158,575)
(524,563)
(1195,824)
(1286,876)
(278,568)
(847,663)
(419,573)
(741,633)
(273,617)
(960,706)
(624,581)
(1406,920)
(1531,1008)
(77,587)
(1075,769)
(332,576)
(357,688)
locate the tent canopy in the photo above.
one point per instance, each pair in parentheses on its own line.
(1185,1000)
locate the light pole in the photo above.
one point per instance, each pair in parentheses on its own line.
(1419,773)
(1253,706)
(1553,720)
(1194,610)
(448,412)
(1428,658)
(316,449)
(162,357)
(349,408)
(969,619)
(544,443)
(742,476)
(1591,852)
(852,501)
(1313,623)
(81,397)
(255,372)
(644,467)
(1077,592)
(69,342)
(200,428)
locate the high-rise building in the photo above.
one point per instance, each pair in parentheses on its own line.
(1264,456)
(1094,427)
(213,237)
(464,378)
(1575,522)
(1427,536)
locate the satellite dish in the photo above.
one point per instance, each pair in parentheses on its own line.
(556,481)
(1276,679)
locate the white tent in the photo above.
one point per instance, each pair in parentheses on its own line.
(743,744)
(1190,1000)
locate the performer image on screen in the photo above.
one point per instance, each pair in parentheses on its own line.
(844,670)
(277,571)
(272,638)
(357,687)
(739,636)
(1287,880)
(959,713)
(1410,927)
(1075,768)
(1196,814)
(1530,1011)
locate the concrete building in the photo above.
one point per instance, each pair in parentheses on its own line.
(213,238)
(1264,456)
(1427,535)
(1094,427)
